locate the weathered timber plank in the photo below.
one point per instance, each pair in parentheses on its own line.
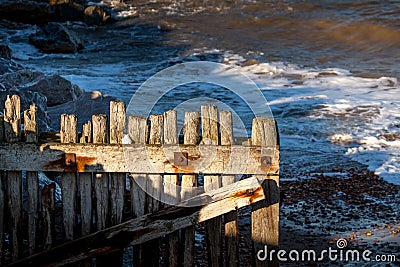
(68,190)
(231,218)
(69,128)
(151,226)
(265,214)
(170,195)
(117,122)
(48,215)
(100,133)
(12,119)
(191,136)
(2,221)
(86,136)
(30,125)
(85,186)
(151,159)
(102,196)
(32,181)
(209,119)
(14,195)
(1,128)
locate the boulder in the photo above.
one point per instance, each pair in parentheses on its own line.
(26,11)
(55,88)
(55,38)
(96,15)
(7,66)
(68,10)
(5,51)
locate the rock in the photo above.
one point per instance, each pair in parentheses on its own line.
(5,51)
(67,10)
(26,11)
(55,38)
(96,15)
(90,103)
(8,66)
(55,88)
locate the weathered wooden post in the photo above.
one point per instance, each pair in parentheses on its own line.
(137,131)
(69,134)
(170,194)
(12,128)
(32,179)
(231,218)
(265,214)
(48,215)
(191,136)
(209,123)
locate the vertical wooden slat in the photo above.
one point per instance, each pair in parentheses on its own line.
(2,213)
(30,124)
(1,128)
(117,122)
(33,209)
(137,131)
(12,128)
(170,195)
(99,123)
(69,128)
(32,179)
(85,185)
(231,218)
(12,119)
(69,134)
(151,249)
(265,214)
(191,136)
(86,133)
(48,215)
(209,122)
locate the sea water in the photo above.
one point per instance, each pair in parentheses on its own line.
(328,70)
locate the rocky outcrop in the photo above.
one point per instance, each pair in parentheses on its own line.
(55,38)
(68,10)
(96,15)
(5,51)
(8,66)
(55,88)
(26,11)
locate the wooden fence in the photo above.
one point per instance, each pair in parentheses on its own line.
(116,177)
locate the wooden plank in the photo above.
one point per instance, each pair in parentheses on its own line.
(99,123)
(69,134)
(69,128)
(117,122)
(14,195)
(86,136)
(265,214)
(30,125)
(137,129)
(85,186)
(154,225)
(48,215)
(191,136)
(32,180)
(151,249)
(170,195)
(12,128)
(150,159)
(102,196)
(231,218)
(2,221)
(209,123)
(12,119)
(1,128)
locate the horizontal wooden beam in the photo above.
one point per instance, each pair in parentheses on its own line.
(149,159)
(155,225)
